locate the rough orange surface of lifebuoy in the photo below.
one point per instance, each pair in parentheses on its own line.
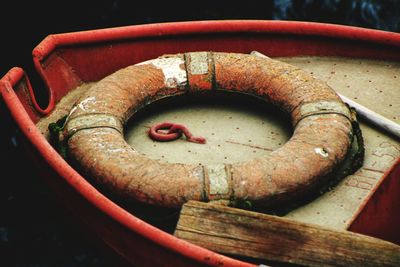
(321,139)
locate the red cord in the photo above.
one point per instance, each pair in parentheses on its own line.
(174,132)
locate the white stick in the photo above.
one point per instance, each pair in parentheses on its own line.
(373,117)
(369,115)
(258,54)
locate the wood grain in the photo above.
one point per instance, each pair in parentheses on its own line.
(244,233)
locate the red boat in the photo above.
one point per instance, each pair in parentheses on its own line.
(332,52)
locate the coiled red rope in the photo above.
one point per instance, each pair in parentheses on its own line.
(174,131)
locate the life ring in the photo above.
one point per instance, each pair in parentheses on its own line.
(321,139)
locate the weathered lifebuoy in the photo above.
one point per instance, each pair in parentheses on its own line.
(322,131)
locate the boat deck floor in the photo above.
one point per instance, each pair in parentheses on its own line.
(238,129)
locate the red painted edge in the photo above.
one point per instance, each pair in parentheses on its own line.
(44,48)
(17,74)
(382,201)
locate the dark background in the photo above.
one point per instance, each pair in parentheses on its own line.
(34,231)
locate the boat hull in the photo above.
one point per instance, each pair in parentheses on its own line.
(65,61)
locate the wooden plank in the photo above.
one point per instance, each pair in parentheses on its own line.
(239,232)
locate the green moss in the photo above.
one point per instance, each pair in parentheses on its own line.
(242,204)
(55,130)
